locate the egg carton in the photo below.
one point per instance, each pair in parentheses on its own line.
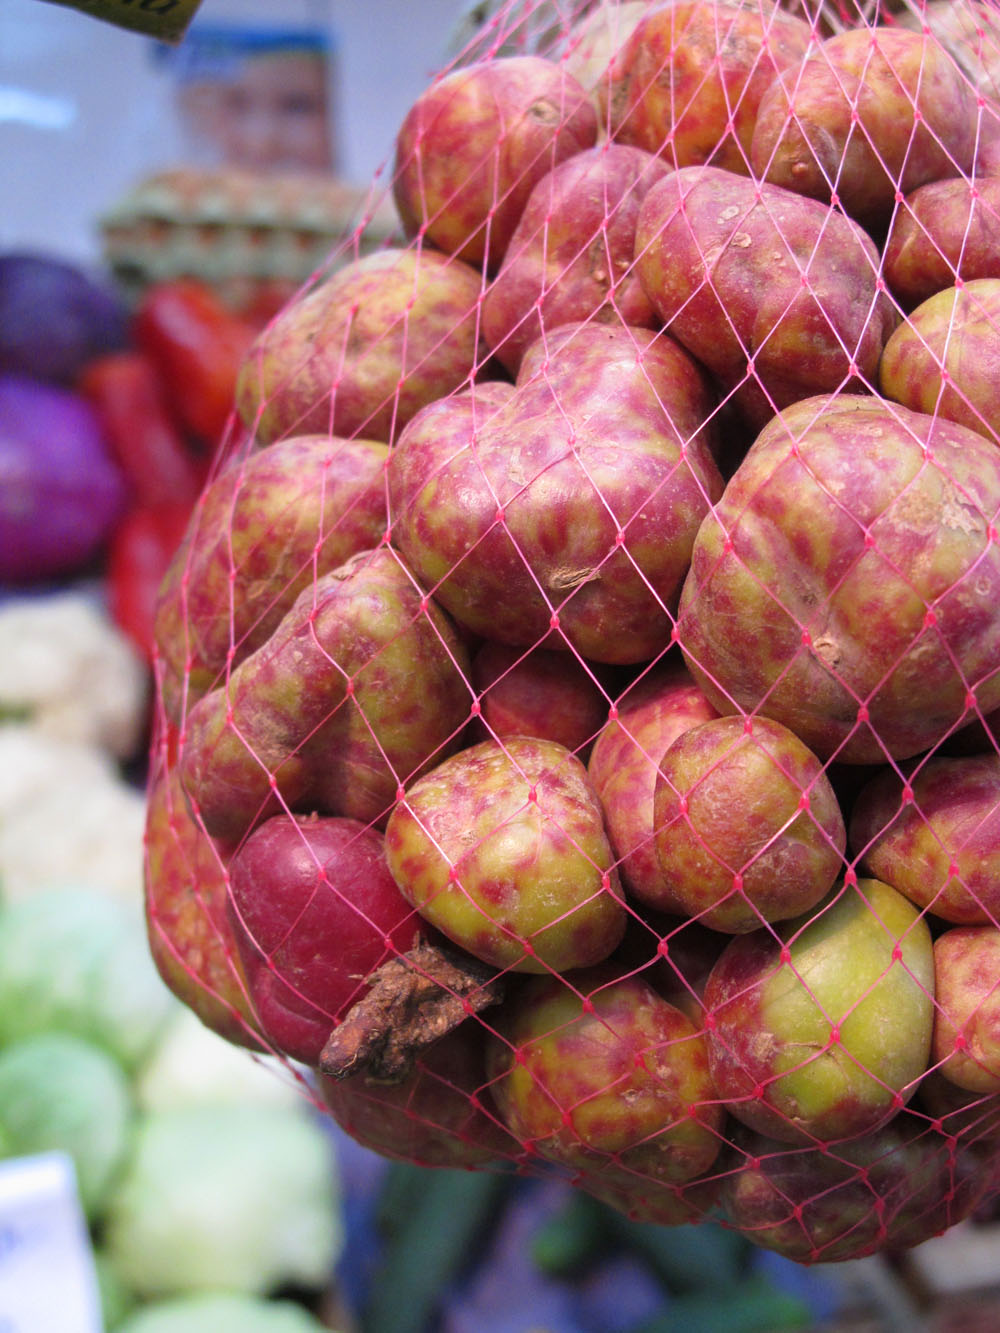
(244,233)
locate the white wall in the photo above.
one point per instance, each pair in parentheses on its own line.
(84,112)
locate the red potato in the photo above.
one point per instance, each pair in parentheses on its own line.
(568,502)
(691,77)
(686,952)
(935,836)
(848,583)
(943,231)
(747,826)
(893,1188)
(662,705)
(441,1114)
(362,352)
(966,1044)
(820,1028)
(620,1081)
(314,911)
(776,294)
(361,687)
(474,143)
(502,848)
(190,937)
(946,357)
(263,530)
(868,113)
(644,1200)
(973,1115)
(549,695)
(571,256)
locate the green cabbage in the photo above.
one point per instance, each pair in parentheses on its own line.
(60,1092)
(221,1314)
(76,961)
(192,1065)
(225,1197)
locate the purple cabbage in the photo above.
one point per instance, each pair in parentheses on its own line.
(54,318)
(61,492)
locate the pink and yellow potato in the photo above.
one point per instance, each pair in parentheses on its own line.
(776,294)
(848,582)
(565,505)
(869,113)
(946,357)
(689,81)
(571,256)
(475,142)
(364,350)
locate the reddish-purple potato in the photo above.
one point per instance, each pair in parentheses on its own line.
(550,695)
(747,826)
(943,231)
(935,835)
(663,704)
(945,359)
(441,1114)
(892,1188)
(191,940)
(605,1073)
(366,349)
(314,911)
(689,81)
(869,113)
(776,294)
(966,1046)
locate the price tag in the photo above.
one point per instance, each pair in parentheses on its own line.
(166,19)
(47,1279)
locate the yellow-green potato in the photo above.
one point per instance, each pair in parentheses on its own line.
(946,357)
(867,113)
(822,1027)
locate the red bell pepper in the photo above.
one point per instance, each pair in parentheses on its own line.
(140,550)
(125,390)
(197,345)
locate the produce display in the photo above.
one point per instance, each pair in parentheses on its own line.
(577,687)
(207,1183)
(108,415)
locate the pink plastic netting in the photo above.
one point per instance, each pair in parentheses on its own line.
(577,693)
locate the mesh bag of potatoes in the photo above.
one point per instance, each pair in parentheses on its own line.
(578,691)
